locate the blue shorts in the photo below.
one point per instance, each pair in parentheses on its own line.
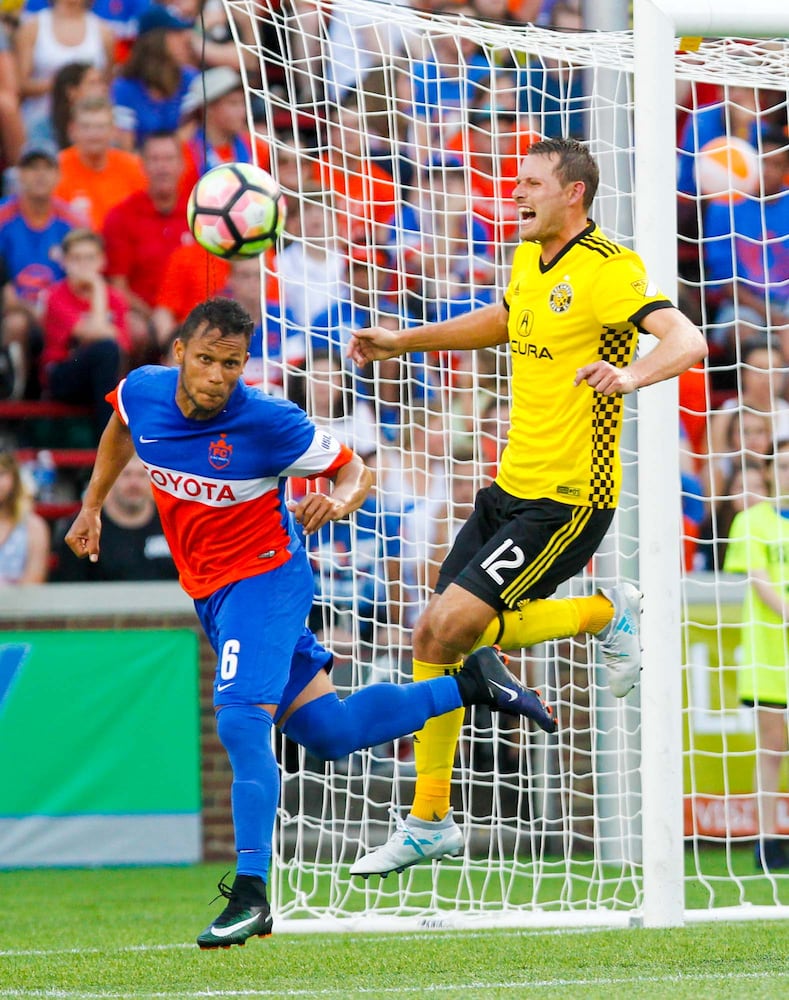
(266,655)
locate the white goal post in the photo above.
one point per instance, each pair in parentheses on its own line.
(590,828)
(657,25)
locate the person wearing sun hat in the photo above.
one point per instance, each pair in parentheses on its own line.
(215,106)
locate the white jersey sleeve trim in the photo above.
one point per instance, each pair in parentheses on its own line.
(321,455)
(123,414)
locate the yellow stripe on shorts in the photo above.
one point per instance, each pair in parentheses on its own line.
(563,538)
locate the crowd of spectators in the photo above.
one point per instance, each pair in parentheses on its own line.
(734,278)
(110,112)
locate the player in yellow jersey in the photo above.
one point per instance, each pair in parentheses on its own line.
(759,548)
(571,315)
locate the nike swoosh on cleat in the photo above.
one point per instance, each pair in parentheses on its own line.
(232,928)
(512,695)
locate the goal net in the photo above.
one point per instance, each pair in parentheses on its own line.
(396,135)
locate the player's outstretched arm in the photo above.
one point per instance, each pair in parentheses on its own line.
(352,483)
(483,327)
(114,451)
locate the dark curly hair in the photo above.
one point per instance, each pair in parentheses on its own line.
(221,314)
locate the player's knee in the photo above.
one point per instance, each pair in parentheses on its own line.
(441,626)
(321,727)
(240,727)
(428,628)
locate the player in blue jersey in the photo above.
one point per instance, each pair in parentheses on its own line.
(217,453)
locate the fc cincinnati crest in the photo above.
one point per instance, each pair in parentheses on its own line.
(220,452)
(561,297)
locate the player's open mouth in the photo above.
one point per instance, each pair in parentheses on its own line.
(526,214)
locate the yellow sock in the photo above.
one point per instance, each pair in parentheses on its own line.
(595,613)
(538,621)
(434,751)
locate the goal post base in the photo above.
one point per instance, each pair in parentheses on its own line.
(373,923)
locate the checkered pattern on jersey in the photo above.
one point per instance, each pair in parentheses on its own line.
(614,348)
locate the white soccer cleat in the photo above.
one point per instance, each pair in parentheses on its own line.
(621,639)
(414,840)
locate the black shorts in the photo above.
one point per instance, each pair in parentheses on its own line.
(513,550)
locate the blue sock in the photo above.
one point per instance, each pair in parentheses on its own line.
(330,728)
(245,732)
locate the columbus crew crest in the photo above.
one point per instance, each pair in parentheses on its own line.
(561,297)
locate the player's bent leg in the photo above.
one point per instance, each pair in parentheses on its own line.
(444,633)
(330,728)
(611,615)
(535,622)
(483,680)
(551,618)
(245,732)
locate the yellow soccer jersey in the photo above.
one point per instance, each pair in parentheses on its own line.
(759,540)
(584,307)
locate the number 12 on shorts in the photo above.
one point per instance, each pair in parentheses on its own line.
(498,560)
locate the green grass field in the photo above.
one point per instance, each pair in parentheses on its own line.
(129,932)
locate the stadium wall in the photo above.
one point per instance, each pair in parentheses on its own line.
(129,607)
(712,790)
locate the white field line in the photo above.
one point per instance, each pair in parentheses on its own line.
(527,985)
(294,939)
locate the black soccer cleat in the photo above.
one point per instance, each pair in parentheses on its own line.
(485,680)
(247,914)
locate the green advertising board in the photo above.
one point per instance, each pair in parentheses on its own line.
(718,732)
(100,734)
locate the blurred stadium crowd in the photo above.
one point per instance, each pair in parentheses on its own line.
(110,111)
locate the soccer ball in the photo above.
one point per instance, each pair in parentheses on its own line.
(236,210)
(727,166)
